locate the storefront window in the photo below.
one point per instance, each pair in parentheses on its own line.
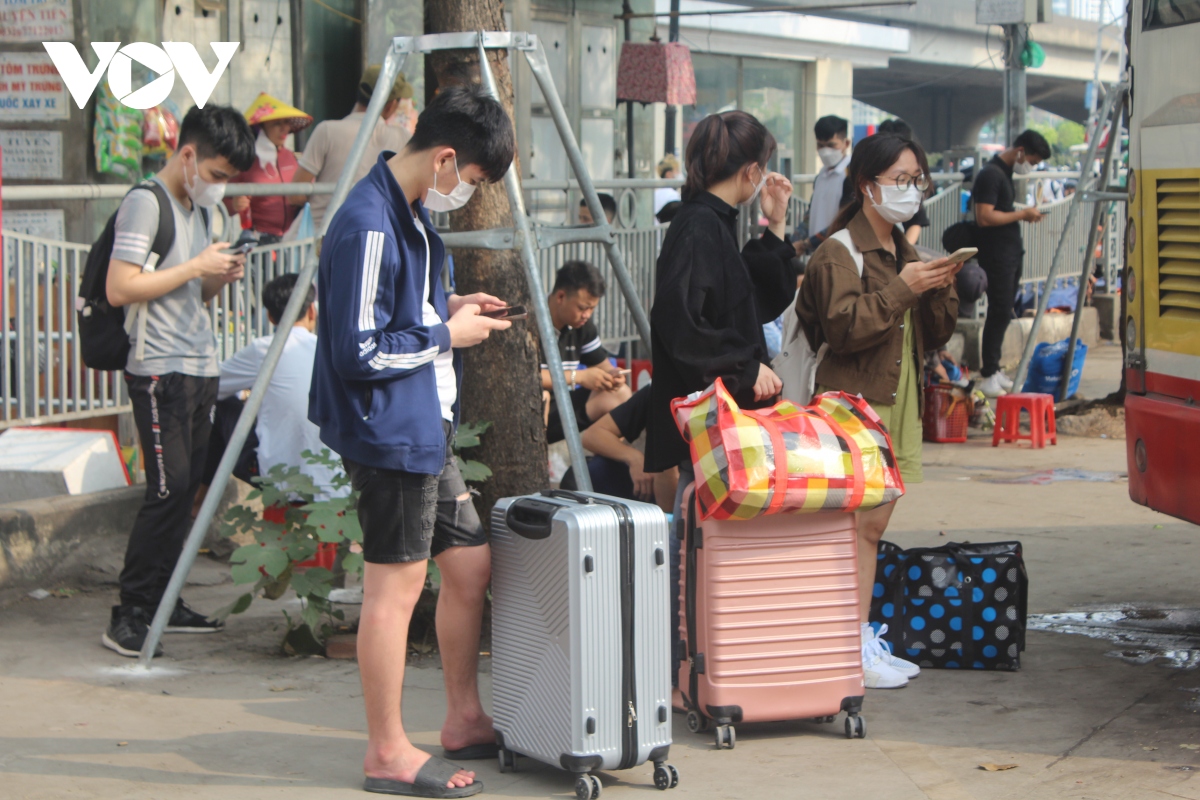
(770,90)
(716,89)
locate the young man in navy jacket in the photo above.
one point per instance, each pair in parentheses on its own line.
(385,396)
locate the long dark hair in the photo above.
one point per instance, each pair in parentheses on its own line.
(872,157)
(721,145)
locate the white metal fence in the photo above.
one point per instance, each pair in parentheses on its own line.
(42,374)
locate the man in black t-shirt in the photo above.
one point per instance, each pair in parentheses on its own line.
(596,386)
(618,468)
(1001,251)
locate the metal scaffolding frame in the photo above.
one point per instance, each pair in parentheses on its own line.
(1095,191)
(522,237)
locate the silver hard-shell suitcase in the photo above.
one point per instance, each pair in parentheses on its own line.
(580,634)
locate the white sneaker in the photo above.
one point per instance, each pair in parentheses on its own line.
(878,675)
(1005,381)
(877,672)
(992,386)
(877,645)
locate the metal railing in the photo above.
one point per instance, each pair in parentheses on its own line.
(640,248)
(237,313)
(42,375)
(1041,238)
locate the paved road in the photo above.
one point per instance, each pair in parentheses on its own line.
(225,717)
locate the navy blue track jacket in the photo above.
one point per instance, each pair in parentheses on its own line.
(374,392)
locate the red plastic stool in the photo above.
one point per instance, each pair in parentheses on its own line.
(1041,419)
(326,555)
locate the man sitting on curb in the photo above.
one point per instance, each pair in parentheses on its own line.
(282,431)
(596,386)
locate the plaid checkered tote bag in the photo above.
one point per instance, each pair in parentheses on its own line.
(831,455)
(958,606)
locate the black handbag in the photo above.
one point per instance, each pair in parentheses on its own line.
(959,606)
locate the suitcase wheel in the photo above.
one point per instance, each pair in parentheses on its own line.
(725,736)
(665,777)
(696,723)
(856,727)
(507,759)
(588,787)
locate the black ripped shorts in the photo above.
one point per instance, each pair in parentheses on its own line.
(409,516)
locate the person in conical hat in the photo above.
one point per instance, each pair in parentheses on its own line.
(272,121)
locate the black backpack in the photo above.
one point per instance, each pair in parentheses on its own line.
(103,342)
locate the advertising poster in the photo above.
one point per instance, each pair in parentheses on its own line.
(30,88)
(36,21)
(32,155)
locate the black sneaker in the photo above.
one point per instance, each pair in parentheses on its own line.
(127,631)
(185,620)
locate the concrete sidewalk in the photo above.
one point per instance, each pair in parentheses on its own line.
(227,717)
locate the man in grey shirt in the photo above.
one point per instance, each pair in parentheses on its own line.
(328,147)
(172,368)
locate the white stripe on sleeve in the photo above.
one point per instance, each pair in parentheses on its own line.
(372,256)
(594,344)
(403,360)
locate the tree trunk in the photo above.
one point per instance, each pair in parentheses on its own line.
(501,382)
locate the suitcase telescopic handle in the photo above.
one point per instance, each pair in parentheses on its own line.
(530,518)
(566,494)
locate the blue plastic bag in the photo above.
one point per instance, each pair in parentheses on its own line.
(1046,368)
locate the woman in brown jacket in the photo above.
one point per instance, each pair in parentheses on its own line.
(878,325)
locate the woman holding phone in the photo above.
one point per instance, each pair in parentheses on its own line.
(878,320)
(712,296)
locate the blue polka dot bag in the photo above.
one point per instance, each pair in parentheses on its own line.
(959,606)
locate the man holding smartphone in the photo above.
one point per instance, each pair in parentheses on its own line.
(385,396)
(172,369)
(1001,251)
(597,387)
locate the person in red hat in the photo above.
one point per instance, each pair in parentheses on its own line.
(271,120)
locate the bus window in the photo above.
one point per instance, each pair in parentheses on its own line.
(1169,13)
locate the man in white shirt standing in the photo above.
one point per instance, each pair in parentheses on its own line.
(327,149)
(833,148)
(283,429)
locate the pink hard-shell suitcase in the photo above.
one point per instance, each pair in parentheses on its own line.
(769,619)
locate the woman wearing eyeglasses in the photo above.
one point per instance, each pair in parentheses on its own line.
(877,326)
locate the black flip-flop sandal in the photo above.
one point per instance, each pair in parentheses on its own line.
(431,781)
(474,752)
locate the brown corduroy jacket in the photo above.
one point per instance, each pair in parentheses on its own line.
(862,319)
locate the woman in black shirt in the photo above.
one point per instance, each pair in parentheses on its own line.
(711,297)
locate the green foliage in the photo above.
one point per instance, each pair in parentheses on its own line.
(269,563)
(468,435)
(1048,131)
(1070,133)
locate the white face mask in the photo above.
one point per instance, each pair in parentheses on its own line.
(896,205)
(830,156)
(201,191)
(458,197)
(757,189)
(1022,167)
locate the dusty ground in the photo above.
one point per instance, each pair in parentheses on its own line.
(226,717)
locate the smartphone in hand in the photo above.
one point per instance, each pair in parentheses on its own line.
(963,254)
(239,249)
(508,312)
